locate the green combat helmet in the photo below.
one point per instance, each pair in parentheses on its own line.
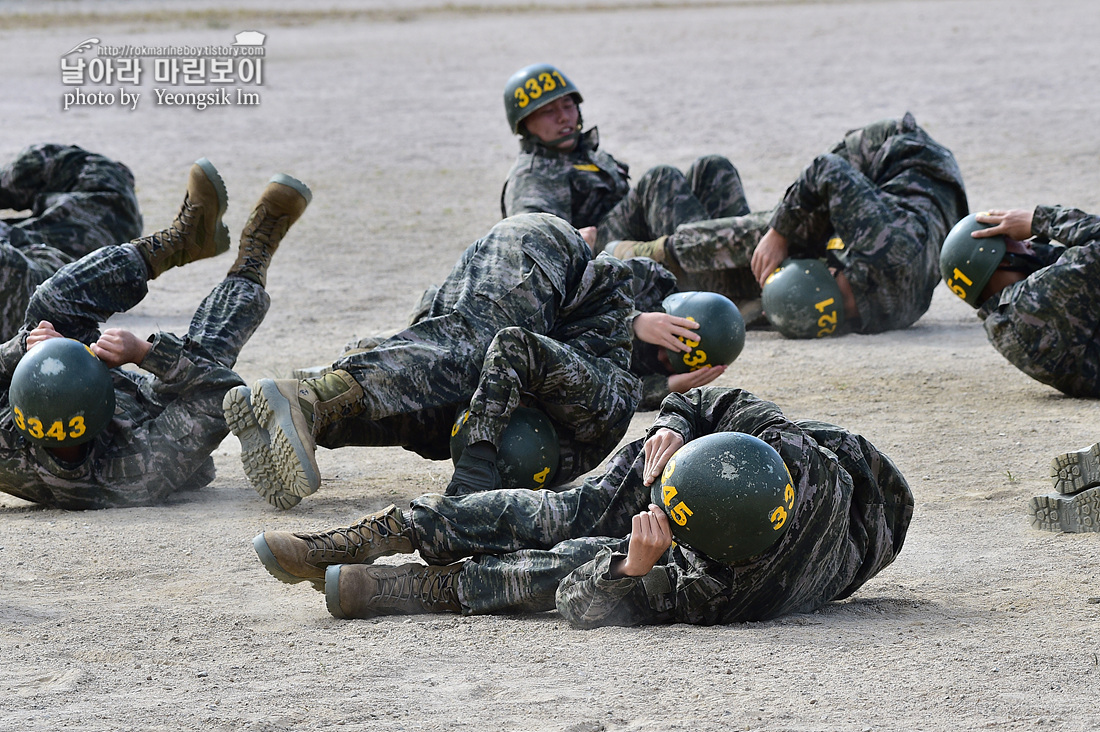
(61,394)
(802,300)
(729,495)
(528,453)
(967,263)
(721,333)
(532,88)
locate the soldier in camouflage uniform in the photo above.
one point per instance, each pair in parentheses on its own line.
(167,421)
(561,170)
(527,316)
(78,202)
(877,206)
(526,548)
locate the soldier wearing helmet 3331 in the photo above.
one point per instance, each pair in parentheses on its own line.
(771,517)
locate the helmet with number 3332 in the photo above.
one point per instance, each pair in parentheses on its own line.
(61,394)
(532,88)
(728,495)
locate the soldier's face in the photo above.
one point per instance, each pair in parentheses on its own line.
(556,120)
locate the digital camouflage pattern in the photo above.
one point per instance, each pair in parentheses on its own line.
(1047,325)
(78,202)
(166,423)
(526,316)
(852,511)
(888,191)
(588,187)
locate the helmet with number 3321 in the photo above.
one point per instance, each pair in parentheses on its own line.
(532,88)
(728,495)
(61,394)
(802,300)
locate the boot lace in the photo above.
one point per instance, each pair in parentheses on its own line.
(349,541)
(432,589)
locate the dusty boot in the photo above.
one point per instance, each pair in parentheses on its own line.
(295,558)
(198,231)
(1078,513)
(276,422)
(624,249)
(1075,471)
(364,591)
(281,204)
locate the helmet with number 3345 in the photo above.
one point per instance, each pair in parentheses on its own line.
(61,394)
(728,495)
(532,88)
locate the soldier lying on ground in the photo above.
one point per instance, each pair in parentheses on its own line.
(526,316)
(79,435)
(602,552)
(78,202)
(877,207)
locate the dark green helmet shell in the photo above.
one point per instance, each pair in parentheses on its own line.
(61,394)
(967,263)
(532,88)
(802,300)
(721,334)
(528,454)
(728,495)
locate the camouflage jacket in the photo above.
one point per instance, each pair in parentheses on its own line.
(1048,325)
(157,443)
(580,185)
(651,284)
(852,511)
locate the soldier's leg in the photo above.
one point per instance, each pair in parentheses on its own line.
(661,200)
(21,271)
(717,184)
(79,201)
(716,244)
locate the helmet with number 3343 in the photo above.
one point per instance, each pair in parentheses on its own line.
(61,394)
(532,88)
(728,495)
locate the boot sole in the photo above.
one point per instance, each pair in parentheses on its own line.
(255,448)
(1073,514)
(286,180)
(221,231)
(1075,471)
(271,564)
(295,472)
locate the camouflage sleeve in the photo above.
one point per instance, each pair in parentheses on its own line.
(708,409)
(536,186)
(10,354)
(589,598)
(1070,226)
(654,391)
(596,318)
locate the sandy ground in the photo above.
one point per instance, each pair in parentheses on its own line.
(162,618)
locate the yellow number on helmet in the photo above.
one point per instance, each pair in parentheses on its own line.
(522,97)
(19,418)
(76,426)
(778,517)
(668,492)
(533,88)
(548,84)
(541,476)
(57,431)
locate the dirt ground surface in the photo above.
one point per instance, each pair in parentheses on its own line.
(163,619)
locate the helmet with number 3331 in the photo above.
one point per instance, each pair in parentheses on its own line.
(61,394)
(532,88)
(728,495)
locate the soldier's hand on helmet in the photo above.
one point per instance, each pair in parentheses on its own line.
(664,330)
(650,538)
(1015,224)
(117,346)
(700,377)
(44,331)
(660,446)
(769,254)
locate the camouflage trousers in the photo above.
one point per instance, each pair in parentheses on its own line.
(167,421)
(78,202)
(523,543)
(714,255)
(664,198)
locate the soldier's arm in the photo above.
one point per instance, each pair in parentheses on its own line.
(535,187)
(10,353)
(698,412)
(1069,226)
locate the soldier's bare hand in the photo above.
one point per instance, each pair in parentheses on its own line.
(44,331)
(768,255)
(700,377)
(661,446)
(589,235)
(1015,224)
(118,346)
(662,329)
(650,538)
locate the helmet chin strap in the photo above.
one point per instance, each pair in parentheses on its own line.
(574,136)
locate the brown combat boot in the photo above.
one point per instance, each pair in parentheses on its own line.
(197,231)
(276,421)
(293,558)
(366,591)
(281,204)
